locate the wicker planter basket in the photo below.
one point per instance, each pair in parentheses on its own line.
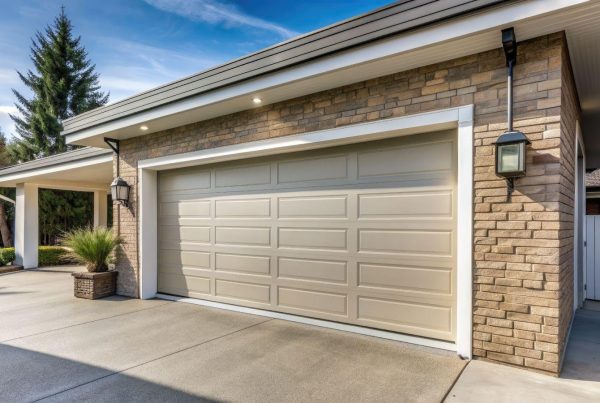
(95,285)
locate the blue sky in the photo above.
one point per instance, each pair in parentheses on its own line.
(139,44)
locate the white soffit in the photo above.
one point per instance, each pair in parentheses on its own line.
(459,37)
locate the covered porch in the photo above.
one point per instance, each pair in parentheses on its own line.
(82,170)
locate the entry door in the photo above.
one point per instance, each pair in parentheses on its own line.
(362,234)
(593,257)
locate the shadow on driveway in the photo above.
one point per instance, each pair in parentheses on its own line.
(54,375)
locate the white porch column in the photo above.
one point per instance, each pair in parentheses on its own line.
(26,225)
(100,208)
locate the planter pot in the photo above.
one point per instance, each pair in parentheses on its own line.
(95,285)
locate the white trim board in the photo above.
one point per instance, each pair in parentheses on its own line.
(459,117)
(367,331)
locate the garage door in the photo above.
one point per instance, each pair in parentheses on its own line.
(362,234)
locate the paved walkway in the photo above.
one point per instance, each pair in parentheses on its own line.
(54,347)
(579,382)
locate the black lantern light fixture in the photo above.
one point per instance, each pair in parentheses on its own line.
(119,188)
(511,146)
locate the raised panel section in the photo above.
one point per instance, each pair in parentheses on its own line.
(174,258)
(314,270)
(403,314)
(250,236)
(314,301)
(184,180)
(243,176)
(317,207)
(388,205)
(174,283)
(312,238)
(243,291)
(405,160)
(186,208)
(243,263)
(405,278)
(247,208)
(397,241)
(313,169)
(191,234)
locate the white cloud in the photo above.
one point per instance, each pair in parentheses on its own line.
(132,67)
(6,123)
(218,12)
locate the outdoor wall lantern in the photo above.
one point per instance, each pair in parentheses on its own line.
(511,146)
(119,188)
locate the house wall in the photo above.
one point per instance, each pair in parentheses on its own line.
(521,247)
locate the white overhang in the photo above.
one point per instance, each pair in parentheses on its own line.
(85,169)
(461,36)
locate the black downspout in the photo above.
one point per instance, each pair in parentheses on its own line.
(509,43)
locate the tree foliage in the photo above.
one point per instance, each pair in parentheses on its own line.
(63,84)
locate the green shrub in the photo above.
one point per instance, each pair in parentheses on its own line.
(7,255)
(54,256)
(93,247)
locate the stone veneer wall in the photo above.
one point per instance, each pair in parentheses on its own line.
(522,249)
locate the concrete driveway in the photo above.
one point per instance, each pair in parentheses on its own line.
(55,347)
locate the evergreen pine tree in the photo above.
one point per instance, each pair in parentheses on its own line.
(63,84)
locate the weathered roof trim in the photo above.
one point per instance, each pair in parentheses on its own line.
(389,20)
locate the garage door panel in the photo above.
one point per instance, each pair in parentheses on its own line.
(185,233)
(407,160)
(402,241)
(313,301)
(174,221)
(245,264)
(313,238)
(427,320)
(196,208)
(241,236)
(361,234)
(183,180)
(313,169)
(312,270)
(174,258)
(319,207)
(405,278)
(176,283)
(405,204)
(243,176)
(243,291)
(242,208)
(418,225)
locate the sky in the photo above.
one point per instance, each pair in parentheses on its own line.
(140,44)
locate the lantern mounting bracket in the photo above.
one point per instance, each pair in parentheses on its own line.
(119,187)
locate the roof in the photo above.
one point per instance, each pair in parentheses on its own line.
(395,18)
(592,179)
(81,154)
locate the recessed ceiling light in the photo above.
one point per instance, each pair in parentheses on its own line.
(143,128)
(256,100)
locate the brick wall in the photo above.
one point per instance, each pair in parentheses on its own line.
(522,251)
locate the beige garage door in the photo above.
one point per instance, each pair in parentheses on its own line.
(362,234)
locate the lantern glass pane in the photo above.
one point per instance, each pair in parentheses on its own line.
(122,192)
(113,193)
(510,158)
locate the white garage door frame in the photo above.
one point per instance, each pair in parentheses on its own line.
(460,118)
